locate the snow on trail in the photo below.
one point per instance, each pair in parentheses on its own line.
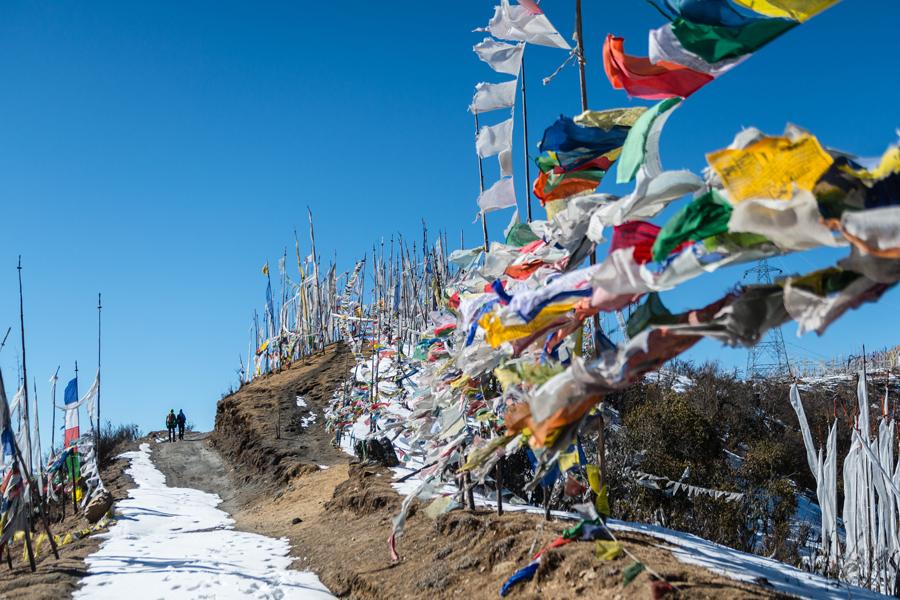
(174,543)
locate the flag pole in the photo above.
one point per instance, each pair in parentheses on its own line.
(595,320)
(481,187)
(53,410)
(24,369)
(97,432)
(525,136)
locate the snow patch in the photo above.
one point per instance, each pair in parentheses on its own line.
(301,402)
(173,542)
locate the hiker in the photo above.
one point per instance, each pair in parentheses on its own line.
(170,424)
(181,420)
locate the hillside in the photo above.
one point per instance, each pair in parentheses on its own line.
(337,514)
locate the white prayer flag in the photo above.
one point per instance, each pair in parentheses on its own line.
(493,139)
(520,24)
(505,159)
(500,56)
(492,96)
(500,195)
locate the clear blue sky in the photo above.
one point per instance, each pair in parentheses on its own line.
(159,152)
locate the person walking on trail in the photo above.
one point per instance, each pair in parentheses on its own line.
(170,424)
(181,420)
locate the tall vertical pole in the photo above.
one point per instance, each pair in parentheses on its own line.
(595,320)
(579,44)
(97,432)
(53,410)
(525,136)
(24,370)
(481,187)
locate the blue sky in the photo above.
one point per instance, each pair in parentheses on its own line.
(161,152)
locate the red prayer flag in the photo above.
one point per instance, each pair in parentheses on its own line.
(644,79)
(640,235)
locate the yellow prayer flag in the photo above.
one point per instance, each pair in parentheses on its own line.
(888,165)
(602,501)
(567,460)
(771,167)
(608,550)
(798,10)
(496,332)
(265,269)
(607,119)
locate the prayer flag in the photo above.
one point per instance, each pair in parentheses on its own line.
(500,195)
(500,56)
(492,96)
(665,47)
(606,550)
(799,10)
(643,79)
(520,24)
(72,431)
(713,43)
(493,139)
(265,269)
(770,167)
(576,145)
(7,439)
(642,142)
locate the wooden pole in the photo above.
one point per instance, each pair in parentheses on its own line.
(97,433)
(53,410)
(525,136)
(71,460)
(500,466)
(481,187)
(595,320)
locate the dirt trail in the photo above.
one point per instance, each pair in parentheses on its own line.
(194,463)
(338,518)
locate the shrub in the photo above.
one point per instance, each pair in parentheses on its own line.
(114,440)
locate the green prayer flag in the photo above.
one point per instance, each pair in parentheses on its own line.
(825,281)
(635,148)
(520,235)
(713,43)
(651,312)
(706,216)
(632,571)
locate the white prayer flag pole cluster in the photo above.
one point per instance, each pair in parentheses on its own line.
(522,23)
(871,513)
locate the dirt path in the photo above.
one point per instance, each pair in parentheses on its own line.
(195,463)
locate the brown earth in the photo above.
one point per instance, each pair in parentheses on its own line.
(338,518)
(55,579)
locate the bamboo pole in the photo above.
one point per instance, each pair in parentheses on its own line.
(27,423)
(525,137)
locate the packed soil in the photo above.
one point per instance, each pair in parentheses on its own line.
(55,579)
(287,480)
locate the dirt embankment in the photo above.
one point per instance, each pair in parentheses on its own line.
(338,518)
(55,579)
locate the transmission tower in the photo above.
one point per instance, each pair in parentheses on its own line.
(768,357)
